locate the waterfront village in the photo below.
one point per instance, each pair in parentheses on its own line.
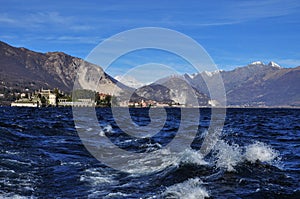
(56,97)
(80,98)
(42,98)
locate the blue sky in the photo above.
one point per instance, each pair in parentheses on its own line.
(234,33)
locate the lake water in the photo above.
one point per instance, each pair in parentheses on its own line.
(256,156)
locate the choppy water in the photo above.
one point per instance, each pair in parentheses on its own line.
(257,156)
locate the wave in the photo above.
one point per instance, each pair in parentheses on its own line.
(230,155)
(190,189)
(225,155)
(98,177)
(116,195)
(15,196)
(161,159)
(261,152)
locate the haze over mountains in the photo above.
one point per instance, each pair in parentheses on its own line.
(257,84)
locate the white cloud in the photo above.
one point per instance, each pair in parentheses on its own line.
(48,20)
(8,37)
(76,39)
(252,10)
(4,18)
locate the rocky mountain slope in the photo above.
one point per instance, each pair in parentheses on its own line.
(22,68)
(173,89)
(25,70)
(257,84)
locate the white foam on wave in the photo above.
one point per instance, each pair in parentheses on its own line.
(101,133)
(98,178)
(99,194)
(107,129)
(190,189)
(154,161)
(117,195)
(260,151)
(6,170)
(229,155)
(24,181)
(12,152)
(163,158)
(15,196)
(190,156)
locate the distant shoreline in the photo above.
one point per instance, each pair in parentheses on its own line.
(204,107)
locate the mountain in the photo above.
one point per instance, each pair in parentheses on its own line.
(256,84)
(25,70)
(22,68)
(129,81)
(173,89)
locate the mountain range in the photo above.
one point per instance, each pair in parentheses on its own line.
(257,84)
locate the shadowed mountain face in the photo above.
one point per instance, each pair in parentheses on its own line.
(256,84)
(22,69)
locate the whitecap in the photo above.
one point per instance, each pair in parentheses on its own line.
(190,156)
(260,151)
(96,178)
(230,155)
(108,128)
(163,158)
(227,156)
(117,195)
(190,189)
(101,133)
(15,196)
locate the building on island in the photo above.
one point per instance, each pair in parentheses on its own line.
(38,98)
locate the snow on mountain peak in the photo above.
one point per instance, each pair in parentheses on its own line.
(211,73)
(129,81)
(257,63)
(192,76)
(273,64)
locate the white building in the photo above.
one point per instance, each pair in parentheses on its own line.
(23,95)
(52,99)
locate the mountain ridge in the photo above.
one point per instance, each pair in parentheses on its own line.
(256,84)
(25,70)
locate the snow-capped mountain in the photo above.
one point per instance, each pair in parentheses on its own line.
(260,63)
(129,81)
(257,63)
(255,84)
(273,64)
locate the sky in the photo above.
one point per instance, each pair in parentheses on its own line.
(234,33)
